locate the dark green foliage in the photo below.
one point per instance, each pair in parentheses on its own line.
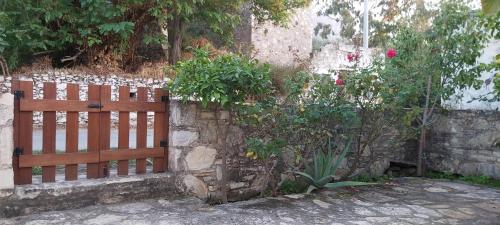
(481,180)
(36,170)
(30,27)
(292,187)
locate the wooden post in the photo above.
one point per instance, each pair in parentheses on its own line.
(160,133)
(26,132)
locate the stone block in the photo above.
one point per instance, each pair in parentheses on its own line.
(237,185)
(182,114)
(223,115)
(6,179)
(207,115)
(6,109)
(174,159)
(200,158)
(195,186)
(6,147)
(208,132)
(184,137)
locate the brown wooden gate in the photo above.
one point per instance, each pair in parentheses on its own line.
(98,154)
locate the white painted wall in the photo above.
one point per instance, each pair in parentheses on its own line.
(467,102)
(284,46)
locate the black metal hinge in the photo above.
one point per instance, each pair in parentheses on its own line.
(164,98)
(18,94)
(164,144)
(18,151)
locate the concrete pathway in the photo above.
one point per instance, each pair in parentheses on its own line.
(402,201)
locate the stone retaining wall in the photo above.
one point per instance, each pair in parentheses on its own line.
(62,77)
(466,142)
(6,142)
(195,152)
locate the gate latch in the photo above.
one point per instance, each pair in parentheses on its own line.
(18,151)
(164,144)
(94,106)
(18,94)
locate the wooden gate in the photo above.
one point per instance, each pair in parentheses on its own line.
(98,154)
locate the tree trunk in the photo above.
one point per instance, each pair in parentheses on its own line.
(420,158)
(425,118)
(174,38)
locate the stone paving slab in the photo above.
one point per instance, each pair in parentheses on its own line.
(399,202)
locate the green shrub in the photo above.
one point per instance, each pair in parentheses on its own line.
(227,80)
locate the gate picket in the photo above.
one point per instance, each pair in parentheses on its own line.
(142,129)
(105,130)
(71,170)
(49,133)
(93,131)
(123,130)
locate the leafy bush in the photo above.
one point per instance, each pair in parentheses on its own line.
(227,80)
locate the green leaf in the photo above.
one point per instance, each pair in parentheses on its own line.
(310,189)
(347,184)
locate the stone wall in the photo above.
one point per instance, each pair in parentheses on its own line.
(466,142)
(62,78)
(6,141)
(289,45)
(195,153)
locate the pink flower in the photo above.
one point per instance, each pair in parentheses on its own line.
(391,53)
(353,56)
(339,82)
(350,57)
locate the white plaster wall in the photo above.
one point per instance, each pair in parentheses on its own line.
(491,50)
(6,141)
(284,46)
(333,57)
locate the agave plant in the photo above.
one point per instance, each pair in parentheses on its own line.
(324,166)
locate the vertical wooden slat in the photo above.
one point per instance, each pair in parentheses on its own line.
(105,129)
(49,133)
(166,127)
(71,171)
(123,129)
(15,160)
(93,130)
(142,129)
(159,164)
(26,132)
